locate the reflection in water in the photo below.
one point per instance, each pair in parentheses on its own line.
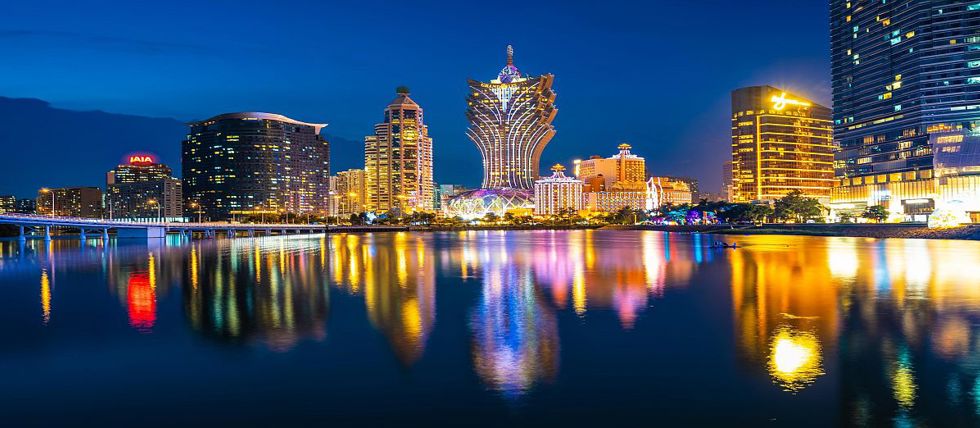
(270,290)
(795,359)
(396,277)
(515,336)
(886,329)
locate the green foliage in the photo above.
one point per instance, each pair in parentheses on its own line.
(876,213)
(794,206)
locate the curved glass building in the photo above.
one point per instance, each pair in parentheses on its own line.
(510,122)
(252,162)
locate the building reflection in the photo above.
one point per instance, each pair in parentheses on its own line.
(515,334)
(785,308)
(271,291)
(395,274)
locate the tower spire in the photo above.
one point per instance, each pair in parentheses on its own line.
(510,55)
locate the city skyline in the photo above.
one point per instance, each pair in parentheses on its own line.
(347,95)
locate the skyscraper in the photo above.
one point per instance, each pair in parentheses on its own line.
(781,142)
(351,192)
(241,163)
(727,187)
(398,159)
(557,193)
(143,188)
(906,90)
(510,122)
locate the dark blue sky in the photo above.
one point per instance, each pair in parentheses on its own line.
(656,74)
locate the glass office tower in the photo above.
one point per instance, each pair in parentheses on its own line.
(906,91)
(253,163)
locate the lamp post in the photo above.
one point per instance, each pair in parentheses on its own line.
(198,210)
(47,190)
(154,202)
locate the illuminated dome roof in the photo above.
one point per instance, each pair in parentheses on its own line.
(510,72)
(480,202)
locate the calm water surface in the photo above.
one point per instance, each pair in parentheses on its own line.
(491,328)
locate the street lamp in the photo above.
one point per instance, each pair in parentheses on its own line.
(154,202)
(47,190)
(198,206)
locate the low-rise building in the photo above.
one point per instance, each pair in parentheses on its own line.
(557,193)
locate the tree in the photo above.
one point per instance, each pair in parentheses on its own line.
(490,218)
(876,213)
(794,206)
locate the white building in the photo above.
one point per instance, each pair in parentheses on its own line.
(556,193)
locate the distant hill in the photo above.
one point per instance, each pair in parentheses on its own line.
(44,146)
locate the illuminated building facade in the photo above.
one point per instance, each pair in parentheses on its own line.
(510,122)
(615,182)
(8,204)
(142,188)
(241,163)
(351,192)
(780,143)
(727,185)
(557,193)
(26,206)
(70,202)
(906,90)
(445,192)
(603,174)
(398,159)
(669,191)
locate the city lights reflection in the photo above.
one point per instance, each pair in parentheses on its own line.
(795,359)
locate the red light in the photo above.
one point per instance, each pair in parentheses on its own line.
(141,301)
(141,160)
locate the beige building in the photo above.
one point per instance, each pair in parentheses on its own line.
(559,192)
(669,190)
(624,168)
(398,159)
(351,192)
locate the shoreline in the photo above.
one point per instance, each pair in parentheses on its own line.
(877,231)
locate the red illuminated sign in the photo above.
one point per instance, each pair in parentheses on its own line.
(141,160)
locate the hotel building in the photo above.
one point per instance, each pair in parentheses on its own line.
(249,163)
(670,191)
(351,192)
(615,182)
(398,159)
(143,189)
(781,142)
(510,122)
(906,91)
(557,193)
(70,202)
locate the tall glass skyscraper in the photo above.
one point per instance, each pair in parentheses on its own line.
(510,122)
(906,91)
(398,159)
(248,163)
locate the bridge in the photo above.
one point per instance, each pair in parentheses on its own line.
(42,226)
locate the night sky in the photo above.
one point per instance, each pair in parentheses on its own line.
(656,74)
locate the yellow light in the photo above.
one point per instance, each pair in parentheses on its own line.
(780,102)
(794,362)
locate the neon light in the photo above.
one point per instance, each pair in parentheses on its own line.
(780,102)
(141,159)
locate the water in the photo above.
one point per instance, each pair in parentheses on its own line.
(491,328)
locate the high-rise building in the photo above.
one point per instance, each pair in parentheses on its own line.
(351,192)
(8,204)
(906,91)
(603,174)
(727,185)
(781,142)
(557,193)
(26,206)
(398,159)
(142,188)
(241,163)
(70,202)
(616,182)
(510,122)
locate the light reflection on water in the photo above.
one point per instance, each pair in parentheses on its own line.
(880,331)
